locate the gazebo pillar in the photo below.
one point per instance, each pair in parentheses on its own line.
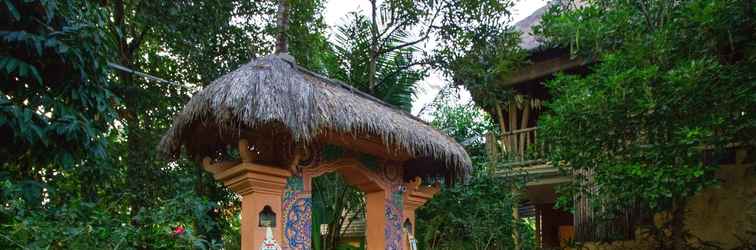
(259,186)
(416,196)
(375,220)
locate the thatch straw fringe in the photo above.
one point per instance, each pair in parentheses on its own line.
(273,90)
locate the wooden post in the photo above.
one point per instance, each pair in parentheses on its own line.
(503,128)
(512,127)
(524,125)
(282,45)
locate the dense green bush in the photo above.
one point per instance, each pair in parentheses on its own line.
(478,213)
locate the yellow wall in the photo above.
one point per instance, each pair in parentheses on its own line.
(718,213)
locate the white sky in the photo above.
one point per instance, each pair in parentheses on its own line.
(428,88)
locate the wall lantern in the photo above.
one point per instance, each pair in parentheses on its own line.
(407,226)
(267,217)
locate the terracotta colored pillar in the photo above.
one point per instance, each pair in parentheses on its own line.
(375,220)
(259,186)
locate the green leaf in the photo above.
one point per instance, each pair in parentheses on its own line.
(67,161)
(11,65)
(23,68)
(13,10)
(38,46)
(36,74)
(62,48)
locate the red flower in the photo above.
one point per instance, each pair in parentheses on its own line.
(179,230)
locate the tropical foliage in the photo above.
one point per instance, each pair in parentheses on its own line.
(55,100)
(396,76)
(477,214)
(78,170)
(670,92)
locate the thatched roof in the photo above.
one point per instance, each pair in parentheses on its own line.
(274,92)
(528,41)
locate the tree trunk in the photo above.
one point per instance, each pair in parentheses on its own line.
(373,64)
(677,225)
(283,26)
(135,159)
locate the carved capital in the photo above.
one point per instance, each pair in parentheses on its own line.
(215,168)
(246,178)
(418,194)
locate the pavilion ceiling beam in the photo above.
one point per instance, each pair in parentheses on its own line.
(369,145)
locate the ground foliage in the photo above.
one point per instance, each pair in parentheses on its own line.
(672,87)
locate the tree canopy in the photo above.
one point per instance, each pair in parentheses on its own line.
(671,91)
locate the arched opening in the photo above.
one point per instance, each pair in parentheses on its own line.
(348,207)
(338,212)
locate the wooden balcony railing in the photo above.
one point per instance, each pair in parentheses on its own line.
(519,147)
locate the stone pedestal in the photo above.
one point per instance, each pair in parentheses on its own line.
(259,186)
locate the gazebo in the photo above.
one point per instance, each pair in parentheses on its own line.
(268,128)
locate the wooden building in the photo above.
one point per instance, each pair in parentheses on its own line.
(714,215)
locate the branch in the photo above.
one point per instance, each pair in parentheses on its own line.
(116,24)
(441,94)
(401,46)
(422,38)
(396,27)
(645,12)
(400,69)
(134,45)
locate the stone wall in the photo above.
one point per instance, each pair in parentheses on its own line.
(723,214)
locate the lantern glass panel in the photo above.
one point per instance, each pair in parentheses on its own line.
(407,226)
(267,217)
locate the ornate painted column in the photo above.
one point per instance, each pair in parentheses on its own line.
(394,204)
(415,196)
(297,208)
